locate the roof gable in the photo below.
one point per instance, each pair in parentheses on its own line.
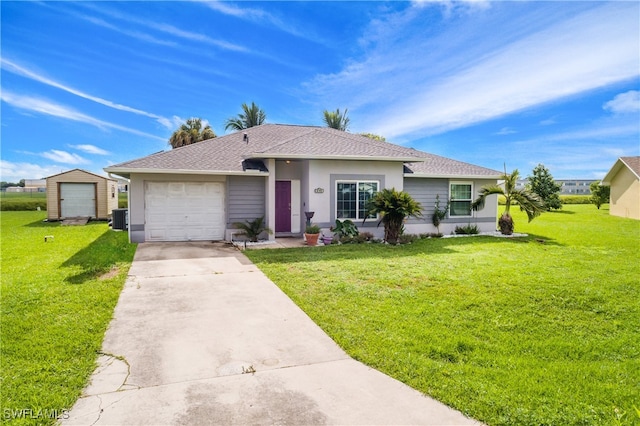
(632,163)
(78,170)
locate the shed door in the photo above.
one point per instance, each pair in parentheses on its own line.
(184,211)
(77,200)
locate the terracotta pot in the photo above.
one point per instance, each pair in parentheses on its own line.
(312,239)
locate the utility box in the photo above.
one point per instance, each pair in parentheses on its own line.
(120,219)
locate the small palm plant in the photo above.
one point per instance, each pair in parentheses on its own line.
(529,202)
(253,229)
(393,207)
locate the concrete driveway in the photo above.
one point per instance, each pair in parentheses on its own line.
(201,336)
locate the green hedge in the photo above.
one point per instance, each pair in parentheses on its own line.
(575,199)
(566,199)
(22,205)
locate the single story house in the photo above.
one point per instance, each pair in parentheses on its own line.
(624,180)
(78,193)
(286,172)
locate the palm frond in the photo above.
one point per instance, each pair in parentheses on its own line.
(484,192)
(529,202)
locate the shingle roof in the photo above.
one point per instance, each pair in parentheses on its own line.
(228,153)
(633,163)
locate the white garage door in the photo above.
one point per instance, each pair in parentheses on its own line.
(77,200)
(184,211)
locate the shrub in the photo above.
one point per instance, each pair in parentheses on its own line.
(575,199)
(253,229)
(408,238)
(431,235)
(362,237)
(467,230)
(439,213)
(23,205)
(345,228)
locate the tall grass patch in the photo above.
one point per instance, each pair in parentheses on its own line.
(58,297)
(23,201)
(528,331)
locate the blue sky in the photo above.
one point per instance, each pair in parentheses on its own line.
(90,84)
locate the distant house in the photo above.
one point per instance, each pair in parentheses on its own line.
(567,186)
(35,185)
(284,172)
(624,180)
(78,193)
(574,186)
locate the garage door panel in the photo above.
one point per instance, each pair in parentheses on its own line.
(183,211)
(77,199)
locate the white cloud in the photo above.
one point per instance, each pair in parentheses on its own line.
(90,149)
(432,84)
(24,72)
(49,108)
(258,16)
(628,102)
(505,131)
(173,122)
(455,6)
(64,157)
(169,29)
(13,172)
(134,34)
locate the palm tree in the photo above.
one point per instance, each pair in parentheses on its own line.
(253,116)
(393,207)
(191,132)
(529,202)
(336,119)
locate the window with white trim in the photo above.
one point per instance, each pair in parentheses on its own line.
(460,198)
(352,198)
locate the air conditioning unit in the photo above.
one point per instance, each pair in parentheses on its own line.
(120,219)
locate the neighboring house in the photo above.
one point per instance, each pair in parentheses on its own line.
(567,186)
(574,186)
(35,185)
(624,180)
(78,193)
(198,191)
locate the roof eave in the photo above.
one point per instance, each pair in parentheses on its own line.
(453,176)
(121,171)
(257,155)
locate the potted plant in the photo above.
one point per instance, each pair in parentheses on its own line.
(311,234)
(326,239)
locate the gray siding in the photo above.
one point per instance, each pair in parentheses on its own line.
(424,191)
(245,198)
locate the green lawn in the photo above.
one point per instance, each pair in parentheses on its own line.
(57,300)
(543,330)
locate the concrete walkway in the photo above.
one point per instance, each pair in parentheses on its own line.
(201,336)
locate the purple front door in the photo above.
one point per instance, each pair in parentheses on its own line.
(283,206)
